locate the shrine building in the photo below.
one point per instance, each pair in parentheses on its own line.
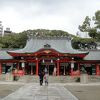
(55,52)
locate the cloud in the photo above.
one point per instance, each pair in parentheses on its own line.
(21,15)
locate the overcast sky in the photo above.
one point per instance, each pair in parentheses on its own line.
(65,15)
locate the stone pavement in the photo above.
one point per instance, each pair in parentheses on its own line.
(32,91)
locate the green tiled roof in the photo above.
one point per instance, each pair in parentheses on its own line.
(60,45)
(5,55)
(93,55)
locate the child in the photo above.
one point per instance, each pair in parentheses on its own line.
(46,78)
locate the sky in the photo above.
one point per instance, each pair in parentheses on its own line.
(66,15)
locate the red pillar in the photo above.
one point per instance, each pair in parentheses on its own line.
(58,65)
(0,68)
(97,70)
(37,67)
(79,68)
(18,66)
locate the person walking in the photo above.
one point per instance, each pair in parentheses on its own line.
(54,71)
(41,76)
(46,76)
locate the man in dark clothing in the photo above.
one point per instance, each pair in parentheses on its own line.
(41,75)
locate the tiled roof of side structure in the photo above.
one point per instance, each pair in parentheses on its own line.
(5,55)
(93,55)
(60,45)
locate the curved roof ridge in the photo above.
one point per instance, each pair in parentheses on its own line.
(60,45)
(50,38)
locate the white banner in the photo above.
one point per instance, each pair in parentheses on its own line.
(23,64)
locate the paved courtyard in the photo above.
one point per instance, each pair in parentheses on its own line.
(33,91)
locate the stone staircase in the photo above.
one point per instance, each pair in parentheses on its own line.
(93,78)
(52,79)
(58,79)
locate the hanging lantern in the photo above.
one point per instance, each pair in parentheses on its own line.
(43,60)
(51,61)
(72,63)
(23,64)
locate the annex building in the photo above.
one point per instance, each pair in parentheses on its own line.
(55,52)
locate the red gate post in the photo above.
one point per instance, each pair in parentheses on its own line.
(37,66)
(58,65)
(79,68)
(97,70)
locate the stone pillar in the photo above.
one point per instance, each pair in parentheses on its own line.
(58,65)
(97,70)
(84,78)
(37,66)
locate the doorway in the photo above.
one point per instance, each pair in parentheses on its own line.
(48,65)
(65,69)
(30,68)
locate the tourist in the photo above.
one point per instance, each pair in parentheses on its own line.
(46,78)
(41,75)
(54,71)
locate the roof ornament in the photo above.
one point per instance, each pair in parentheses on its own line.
(47,46)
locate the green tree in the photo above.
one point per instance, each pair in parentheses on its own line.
(93,30)
(96,18)
(83,43)
(93,33)
(85,27)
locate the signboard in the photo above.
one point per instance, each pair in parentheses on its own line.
(23,64)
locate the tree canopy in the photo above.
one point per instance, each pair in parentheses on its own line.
(92,26)
(18,40)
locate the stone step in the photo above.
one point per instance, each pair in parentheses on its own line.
(52,79)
